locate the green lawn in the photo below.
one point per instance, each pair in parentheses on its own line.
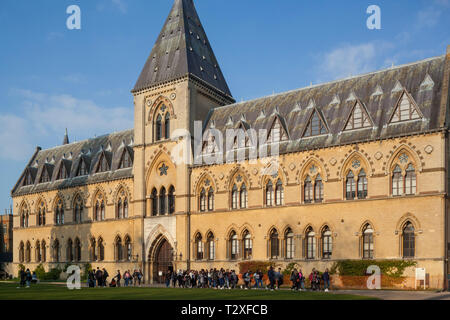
(9,291)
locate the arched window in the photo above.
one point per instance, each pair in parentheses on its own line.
(318,189)
(162,201)
(28,252)
(410,180)
(327,243)
(24,216)
(43,252)
(397,181)
(234,197)
(158,128)
(119,209)
(248,245)
(93,250)
(77,255)
(56,251)
(308,190)
(118,249)
(362,185)
(125,162)
(128,248)
(234,246)
(350,186)
(96,211)
(211,246)
(21,252)
(41,214)
(78,214)
(203,200)
(59,213)
(269,194)
(122,206)
(171,199)
(408,241)
(82,168)
(310,244)
(167,126)
(244,197)
(367,242)
(289,244)
(102,207)
(211,199)
(101,250)
(103,165)
(154,200)
(199,249)
(69,253)
(274,244)
(37,250)
(279,193)
(125,208)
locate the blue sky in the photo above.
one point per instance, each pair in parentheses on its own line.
(52,78)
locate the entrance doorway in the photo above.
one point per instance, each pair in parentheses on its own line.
(162,260)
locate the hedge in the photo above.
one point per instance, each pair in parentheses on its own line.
(391,268)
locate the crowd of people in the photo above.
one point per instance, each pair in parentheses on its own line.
(100,277)
(229,279)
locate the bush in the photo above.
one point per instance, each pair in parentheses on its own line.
(40,271)
(54,274)
(391,268)
(87,268)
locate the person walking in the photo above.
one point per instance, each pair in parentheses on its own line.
(326,280)
(247,279)
(271,275)
(28,278)
(105,276)
(118,278)
(23,278)
(279,278)
(99,277)
(301,277)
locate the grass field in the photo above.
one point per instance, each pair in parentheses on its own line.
(9,291)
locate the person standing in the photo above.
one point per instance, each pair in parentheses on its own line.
(118,277)
(98,277)
(271,275)
(279,278)
(105,277)
(28,278)
(23,278)
(326,280)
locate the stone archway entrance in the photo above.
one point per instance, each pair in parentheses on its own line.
(161,260)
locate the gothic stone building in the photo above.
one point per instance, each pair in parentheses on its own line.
(361,172)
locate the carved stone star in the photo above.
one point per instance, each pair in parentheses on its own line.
(163,170)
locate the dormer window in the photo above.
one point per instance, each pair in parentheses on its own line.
(316,126)
(82,169)
(28,179)
(358,119)
(103,165)
(406,109)
(126,161)
(210,146)
(62,173)
(45,177)
(277,132)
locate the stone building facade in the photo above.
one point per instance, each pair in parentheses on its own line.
(351,169)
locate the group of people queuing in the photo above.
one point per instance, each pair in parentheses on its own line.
(100,276)
(229,279)
(315,279)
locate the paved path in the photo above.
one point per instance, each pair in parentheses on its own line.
(398,295)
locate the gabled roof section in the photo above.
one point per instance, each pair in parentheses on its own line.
(182,48)
(316,125)
(406,109)
(358,117)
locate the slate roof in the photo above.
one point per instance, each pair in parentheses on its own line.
(70,155)
(182,48)
(379,93)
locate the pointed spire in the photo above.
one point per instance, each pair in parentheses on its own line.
(182,48)
(66,138)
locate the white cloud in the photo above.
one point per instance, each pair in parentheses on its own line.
(44,117)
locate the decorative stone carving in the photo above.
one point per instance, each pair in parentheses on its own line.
(403,158)
(173,96)
(333,161)
(378,155)
(255,171)
(292,167)
(221,176)
(429,149)
(149,102)
(356,164)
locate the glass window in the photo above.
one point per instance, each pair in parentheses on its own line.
(409,243)
(368,242)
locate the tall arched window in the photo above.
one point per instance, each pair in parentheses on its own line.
(167,126)
(199,249)
(43,251)
(203,200)
(269,194)
(162,201)
(24,216)
(234,246)
(279,193)
(125,208)
(318,189)
(77,256)
(93,250)
(69,253)
(28,252)
(37,253)
(154,200)
(274,244)
(289,244)
(101,250)
(327,243)
(367,242)
(397,181)
(211,246)
(308,190)
(128,248)
(78,214)
(158,128)
(248,245)
(243,196)
(56,251)
(234,197)
(59,213)
(211,199)
(118,249)
(122,205)
(408,241)
(21,252)
(41,214)
(171,200)
(310,244)
(119,209)
(350,186)
(410,180)
(362,185)
(102,207)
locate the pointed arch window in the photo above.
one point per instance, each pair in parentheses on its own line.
(37,253)
(277,132)
(405,110)
(122,206)
(62,173)
(93,250)
(243,196)
(327,243)
(203,200)
(358,118)
(279,193)
(78,214)
(397,181)
(43,251)
(311,244)
(126,161)
(362,185)
(77,256)
(248,245)
(56,251)
(103,165)
(154,200)
(410,180)
(269,194)
(408,240)
(59,213)
(21,253)
(234,197)
(162,201)
(28,252)
(274,244)
(101,250)
(350,186)
(308,190)
(69,254)
(318,189)
(211,199)
(315,126)
(234,246)
(167,126)
(158,128)
(24,217)
(41,214)
(211,246)
(171,200)
(199,248)
(128,248)
(118,249)
(82,168)
(45,177)
(99,210)
(367,242)
(289,244)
